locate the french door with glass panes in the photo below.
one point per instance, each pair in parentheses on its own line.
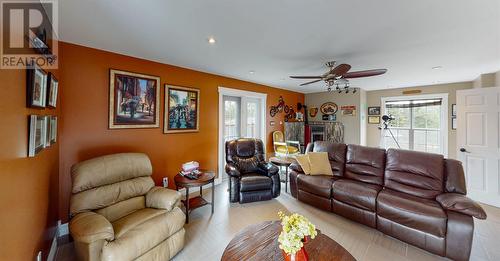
(242,117)
(420,123)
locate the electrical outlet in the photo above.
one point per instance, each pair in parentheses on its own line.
(165,182)
(39,256)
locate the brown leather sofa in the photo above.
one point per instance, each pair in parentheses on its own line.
(251,177)
(416,197)
(117,213)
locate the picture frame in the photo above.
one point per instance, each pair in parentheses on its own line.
(134,100)
(52,90)
(37,134)
(375,110)
(182,109)
(374,119)
(453,110)
(47,131)
(52,136)
(454,123)
(36,89)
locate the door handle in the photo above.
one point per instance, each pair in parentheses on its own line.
(463,150)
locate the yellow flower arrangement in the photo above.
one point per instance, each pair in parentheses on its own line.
(295,228)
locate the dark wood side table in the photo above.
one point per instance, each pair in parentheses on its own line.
(282,162)
(205,178)
(260,242)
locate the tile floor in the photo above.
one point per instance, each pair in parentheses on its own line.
(207,235)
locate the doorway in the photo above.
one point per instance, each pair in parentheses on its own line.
(241,115)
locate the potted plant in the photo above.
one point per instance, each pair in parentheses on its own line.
(295,231)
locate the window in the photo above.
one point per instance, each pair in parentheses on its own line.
(419,123)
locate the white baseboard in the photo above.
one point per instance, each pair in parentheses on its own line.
(53,249)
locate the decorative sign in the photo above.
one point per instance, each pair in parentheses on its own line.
(313,111)
(329,108)
(331,117)
(349,110)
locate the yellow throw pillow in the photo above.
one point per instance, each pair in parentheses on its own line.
(303,161)
(319,163)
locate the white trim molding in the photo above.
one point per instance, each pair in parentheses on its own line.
(238,93)
(444,113)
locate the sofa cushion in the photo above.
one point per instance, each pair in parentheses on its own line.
(254,181)
(336,154)
(422,214)
(356,193)
(320,185)
(319,163)
(137,237)
(416,173)
(365,164)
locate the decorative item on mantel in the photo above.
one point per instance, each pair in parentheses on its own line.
(296,230)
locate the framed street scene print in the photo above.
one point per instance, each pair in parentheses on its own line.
(181,109)
(134,100)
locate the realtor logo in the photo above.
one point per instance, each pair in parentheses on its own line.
(28,34)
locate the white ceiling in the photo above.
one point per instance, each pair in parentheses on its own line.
(278,38)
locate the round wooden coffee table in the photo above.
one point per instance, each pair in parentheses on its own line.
(205,178)
(260,242)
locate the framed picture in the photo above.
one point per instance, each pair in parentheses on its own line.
(182,109)
(37,134)
(36,87)
(374,110)
(47,131)
(454,123)
(453,110)
(134,100)
(329,108)
(374,119)
(52,86)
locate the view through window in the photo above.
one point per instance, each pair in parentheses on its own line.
(417,125)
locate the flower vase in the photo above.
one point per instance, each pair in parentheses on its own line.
(301,255)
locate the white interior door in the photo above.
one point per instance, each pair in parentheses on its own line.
(478,142)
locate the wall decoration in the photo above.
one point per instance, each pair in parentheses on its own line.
(52,86)
(134,100)
(349,110)
(47,132)
(36,87)
(454,123)
(374,119)
(273,111)
(182,109)
(329,117)
(53,129)
(282,107)
(329,108)
(37,134)
(453,110)
(374,110)
(313,111)
(272,123)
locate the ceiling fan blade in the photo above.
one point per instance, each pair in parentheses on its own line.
(366,73)
(310,82)
(306,77)
(341,69)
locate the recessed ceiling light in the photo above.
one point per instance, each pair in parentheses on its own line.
(437,67)
(251,72)
(211,40)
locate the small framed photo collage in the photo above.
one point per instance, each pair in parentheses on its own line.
(42,91)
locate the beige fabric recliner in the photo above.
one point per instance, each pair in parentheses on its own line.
(117,213)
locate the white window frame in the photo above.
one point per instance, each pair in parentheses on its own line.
(238,93)
(444,114)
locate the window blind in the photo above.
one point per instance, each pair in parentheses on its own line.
(412,103)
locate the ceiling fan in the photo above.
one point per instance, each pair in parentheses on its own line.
(339,75)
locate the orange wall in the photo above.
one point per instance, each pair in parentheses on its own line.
(28,186)
(85,132)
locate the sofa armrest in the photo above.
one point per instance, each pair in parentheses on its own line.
(162,198)
(232,170)
(89,227)
(268,168)
(295,166)
(462,204)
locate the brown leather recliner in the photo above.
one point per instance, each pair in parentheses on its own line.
(117,213)
(414,196)
(251,177)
